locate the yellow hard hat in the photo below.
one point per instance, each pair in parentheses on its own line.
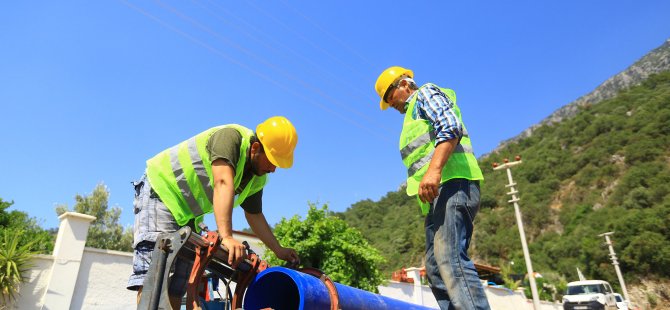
(279,139)
(386,79)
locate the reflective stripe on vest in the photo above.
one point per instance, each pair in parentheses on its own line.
(427,137)
(182,174)
(200,172)
(421,141)
(417,147)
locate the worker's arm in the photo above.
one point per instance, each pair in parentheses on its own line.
(261,228)
(224,193)
(436,107)
(430,183)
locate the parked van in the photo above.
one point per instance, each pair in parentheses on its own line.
(589,294)
(621,304)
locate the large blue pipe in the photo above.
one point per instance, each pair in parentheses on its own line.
(283,288)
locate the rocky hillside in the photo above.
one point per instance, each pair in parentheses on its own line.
(658,60)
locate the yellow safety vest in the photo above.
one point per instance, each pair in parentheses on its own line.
(182,176)
(417,146)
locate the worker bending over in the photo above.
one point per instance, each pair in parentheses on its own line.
(204,174)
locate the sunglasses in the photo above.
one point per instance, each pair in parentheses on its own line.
(393,86)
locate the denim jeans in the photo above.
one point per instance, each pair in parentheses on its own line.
(449,224)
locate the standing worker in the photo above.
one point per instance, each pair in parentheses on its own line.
(203,175)
(443,171)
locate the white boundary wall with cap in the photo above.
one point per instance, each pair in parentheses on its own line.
(78,277)
(499,298)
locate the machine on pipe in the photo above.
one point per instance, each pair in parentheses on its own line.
(207,254)
(256,287)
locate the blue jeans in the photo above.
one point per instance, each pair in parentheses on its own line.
(449,224)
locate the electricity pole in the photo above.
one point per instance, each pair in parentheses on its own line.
(519,222)
(615,263)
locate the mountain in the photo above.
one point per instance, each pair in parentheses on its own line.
(658,60)
(591,169)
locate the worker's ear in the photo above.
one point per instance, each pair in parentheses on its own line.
(255,147)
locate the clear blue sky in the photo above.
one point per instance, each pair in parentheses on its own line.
(91,89)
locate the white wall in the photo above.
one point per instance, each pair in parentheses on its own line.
(100,282)
(76,277)
(38,280)
(406,292)
(102,279)
(499,298)
(85,278)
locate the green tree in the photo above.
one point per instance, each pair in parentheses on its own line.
(326,242)
(20,238)
(394,226)
(105,232)
(18,220)
(649,252)
(510,282)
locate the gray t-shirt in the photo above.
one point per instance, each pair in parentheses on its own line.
(225,144)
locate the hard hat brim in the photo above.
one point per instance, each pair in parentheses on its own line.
(281,162)
(383,105)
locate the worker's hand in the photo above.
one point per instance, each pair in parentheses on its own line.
(429,186)
(289,255)
(236,251)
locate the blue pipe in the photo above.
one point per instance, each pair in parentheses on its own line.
(283,288)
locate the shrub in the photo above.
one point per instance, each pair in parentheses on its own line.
(14,261)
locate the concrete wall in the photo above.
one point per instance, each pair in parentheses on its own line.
(416,294)
(100,282)
(38,276)
(77,277)
(102,279)
(499,298)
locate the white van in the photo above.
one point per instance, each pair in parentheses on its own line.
(589,294)
(621,304)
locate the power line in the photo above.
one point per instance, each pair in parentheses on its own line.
(282,45)
(246,67)
(262,60)
(301,81)
(332,36)
(300,35)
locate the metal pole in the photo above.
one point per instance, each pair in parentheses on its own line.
(163,249)
(522,234)
(615,263)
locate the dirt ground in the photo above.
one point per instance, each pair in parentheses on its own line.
(650,294)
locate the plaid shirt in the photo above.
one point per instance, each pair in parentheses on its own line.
(434,106)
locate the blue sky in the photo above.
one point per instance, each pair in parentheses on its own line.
(91,89)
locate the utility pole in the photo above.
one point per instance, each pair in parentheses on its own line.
(519,222)
(615,263)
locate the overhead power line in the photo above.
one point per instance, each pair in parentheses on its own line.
(304,38)
(265,77)
(268,38)
(316,89)
(332,36)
